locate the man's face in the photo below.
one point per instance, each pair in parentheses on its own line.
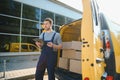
(47,25)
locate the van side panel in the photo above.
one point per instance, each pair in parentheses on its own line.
(115,35)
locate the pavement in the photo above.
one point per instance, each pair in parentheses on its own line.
(17,73)
(45,78)
(23,74)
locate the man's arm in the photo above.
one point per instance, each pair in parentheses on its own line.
(57,46)
(58,41)
(37,42)
(50,44)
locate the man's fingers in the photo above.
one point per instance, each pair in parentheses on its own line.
(50,44)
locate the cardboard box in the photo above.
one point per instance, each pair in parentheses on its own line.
(63,63)
(72,54)
(76,45)
(75,66)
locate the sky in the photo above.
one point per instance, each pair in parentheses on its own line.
(109,7)
(77,4)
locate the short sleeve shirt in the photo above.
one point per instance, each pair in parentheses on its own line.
(48,36)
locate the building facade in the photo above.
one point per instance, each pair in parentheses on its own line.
(20,23)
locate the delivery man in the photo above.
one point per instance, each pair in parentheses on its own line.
(48,57)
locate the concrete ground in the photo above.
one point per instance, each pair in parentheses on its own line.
(17,73)
(45,78)
(23,74)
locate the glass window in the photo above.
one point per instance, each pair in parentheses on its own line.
(30,28)
(10,7)
(24,46)
(68,20)
(46,14)
(30,12)
(9,25)
(53,27)
(59,20)
(32,48)
(26,39)
(57,29)
(6,42)
(29,41)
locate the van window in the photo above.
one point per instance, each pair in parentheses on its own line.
(32,48)
(24,46)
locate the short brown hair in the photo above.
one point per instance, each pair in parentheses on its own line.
(49,19)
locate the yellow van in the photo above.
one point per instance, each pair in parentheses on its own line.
(25,47)
(93,63)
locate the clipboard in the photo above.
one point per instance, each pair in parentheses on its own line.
(39,40)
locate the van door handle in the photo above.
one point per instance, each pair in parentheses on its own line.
(99,60)
(102,50)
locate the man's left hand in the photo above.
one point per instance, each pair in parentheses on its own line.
(50,44)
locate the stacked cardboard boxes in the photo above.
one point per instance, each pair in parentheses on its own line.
(71,56)
(63,63)
(75,66)
(76,45)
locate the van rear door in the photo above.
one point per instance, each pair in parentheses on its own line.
(92,59)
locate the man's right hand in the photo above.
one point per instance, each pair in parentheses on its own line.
(38,44)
